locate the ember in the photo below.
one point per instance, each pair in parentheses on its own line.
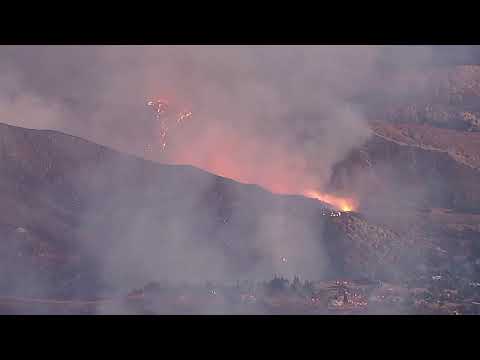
(184,115)
(160,108)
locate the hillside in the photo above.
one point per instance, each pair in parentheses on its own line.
(79,219)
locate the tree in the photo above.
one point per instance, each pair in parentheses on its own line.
(308,286)
(296,284)
(277,284)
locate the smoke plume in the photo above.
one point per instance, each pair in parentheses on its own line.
(279,117)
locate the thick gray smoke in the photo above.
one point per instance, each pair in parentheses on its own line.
(277,116)
(284,106)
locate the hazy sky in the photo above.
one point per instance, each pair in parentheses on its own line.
(262,103)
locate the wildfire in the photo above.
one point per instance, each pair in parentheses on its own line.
(227,163)
(343,204)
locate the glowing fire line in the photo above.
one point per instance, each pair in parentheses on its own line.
(343,204)
(160,109)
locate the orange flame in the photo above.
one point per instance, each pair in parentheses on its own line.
(343,204)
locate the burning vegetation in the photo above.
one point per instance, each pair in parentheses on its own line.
(343,204)
(167,117)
